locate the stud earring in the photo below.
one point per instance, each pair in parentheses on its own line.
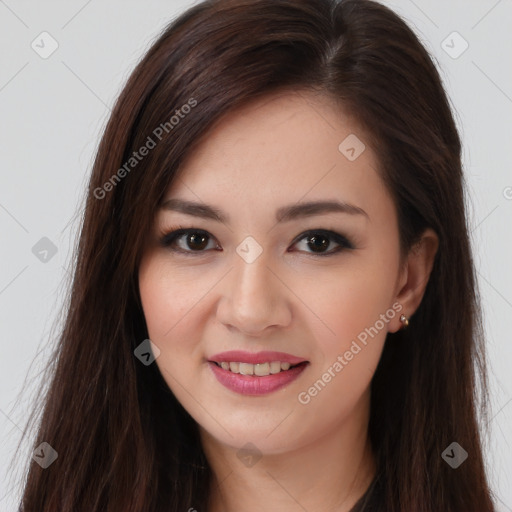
(404,320)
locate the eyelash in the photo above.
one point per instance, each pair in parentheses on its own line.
(169,237)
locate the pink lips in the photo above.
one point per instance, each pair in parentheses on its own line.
(251,384)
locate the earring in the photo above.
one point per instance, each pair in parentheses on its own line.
(404,320)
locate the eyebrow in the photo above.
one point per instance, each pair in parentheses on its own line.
(283,214)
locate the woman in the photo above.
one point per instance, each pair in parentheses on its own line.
(274,304)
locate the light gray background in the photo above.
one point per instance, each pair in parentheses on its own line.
(52,112)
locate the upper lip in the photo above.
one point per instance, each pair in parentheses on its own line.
(240,356)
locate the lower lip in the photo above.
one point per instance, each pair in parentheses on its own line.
(253,385)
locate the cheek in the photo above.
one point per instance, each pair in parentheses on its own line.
(354,306)
(168,303)
(347,300)
(337,386)
(167,295)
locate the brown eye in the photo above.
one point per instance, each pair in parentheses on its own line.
(196,241)
(317,241)
(187,241)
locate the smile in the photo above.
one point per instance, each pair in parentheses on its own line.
(260,370)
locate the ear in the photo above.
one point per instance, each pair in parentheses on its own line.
(414,276)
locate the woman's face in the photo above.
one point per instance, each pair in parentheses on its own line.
(318,284)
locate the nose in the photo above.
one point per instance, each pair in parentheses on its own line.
(254,299)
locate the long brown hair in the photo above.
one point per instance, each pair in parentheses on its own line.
(124,442)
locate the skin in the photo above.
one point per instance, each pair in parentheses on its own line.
(275,152)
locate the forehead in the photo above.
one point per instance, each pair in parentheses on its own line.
(293,146)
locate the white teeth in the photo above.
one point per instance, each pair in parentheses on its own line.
(275,367)
(260,370)
(246,369)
